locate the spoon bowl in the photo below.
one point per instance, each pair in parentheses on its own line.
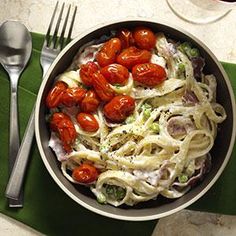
(15,46)
(15,51)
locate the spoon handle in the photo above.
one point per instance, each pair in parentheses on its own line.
(15,182)
(14,141)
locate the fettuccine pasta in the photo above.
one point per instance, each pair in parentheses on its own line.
(161,147)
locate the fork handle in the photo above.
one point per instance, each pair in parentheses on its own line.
(14,185)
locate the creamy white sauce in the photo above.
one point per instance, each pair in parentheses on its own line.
(56,145)
(88,54)
(151,177)
(158,60)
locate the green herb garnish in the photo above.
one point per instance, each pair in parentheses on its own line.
(183,178)
(155,127)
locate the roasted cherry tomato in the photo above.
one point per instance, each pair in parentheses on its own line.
(102,87)
(73,96)
(90,102)
(144,38)
(109,51)
(126,38)
(87,122)
(64,127)
(86,71)
(132,56)
(54,96)
(85,173)
(119,108)
(115,74)
(149,74)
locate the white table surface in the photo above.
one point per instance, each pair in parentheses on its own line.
(220,37)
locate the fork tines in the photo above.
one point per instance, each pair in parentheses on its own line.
(61,39)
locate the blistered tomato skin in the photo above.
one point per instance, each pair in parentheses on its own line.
(144,38)
(102,87)
(119,108)
(64,127)
(115,74)
(85,173)
(90,102)
(72,96)
(126,38)
(132,56)
(109,51)
(86,71)
(54,96)
(149,74)
(87,122)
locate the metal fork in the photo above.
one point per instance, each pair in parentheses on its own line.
(51,48)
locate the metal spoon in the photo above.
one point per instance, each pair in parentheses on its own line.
(15,51)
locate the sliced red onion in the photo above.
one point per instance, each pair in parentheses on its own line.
(204,169)
(189,98)
(171,48)
(178,126)
(198,63)
(70,111)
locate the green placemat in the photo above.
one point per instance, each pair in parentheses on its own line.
(47,208)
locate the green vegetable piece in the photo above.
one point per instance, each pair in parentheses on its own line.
(155,127)
(117,85)
(104,148)
(181,67)
(101,198)
(147,108)
(183,178)
(188,50)
(194,52)
(130,119)
(110,189)
(120,193)
(147,113)
(115,192)
(184,47)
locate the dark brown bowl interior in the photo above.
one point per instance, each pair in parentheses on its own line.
(155,208)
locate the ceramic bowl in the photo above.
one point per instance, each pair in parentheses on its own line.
(152,209)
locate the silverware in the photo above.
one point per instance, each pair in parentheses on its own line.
(51,48)
(15,51)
